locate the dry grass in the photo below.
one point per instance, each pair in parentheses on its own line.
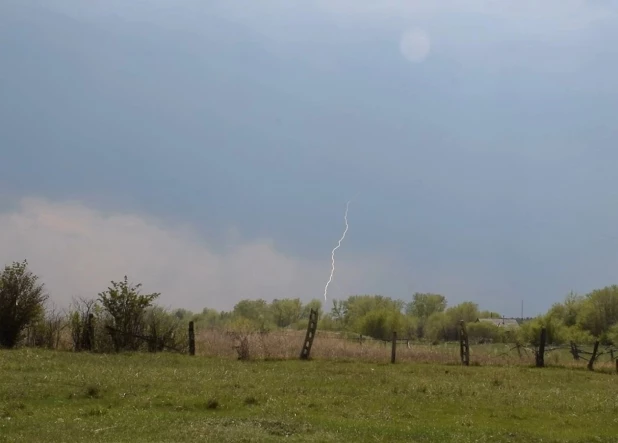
(285,345)
(335,346)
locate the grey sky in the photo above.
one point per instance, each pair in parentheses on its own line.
(208,148)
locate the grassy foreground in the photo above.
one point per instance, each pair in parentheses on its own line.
(48,396)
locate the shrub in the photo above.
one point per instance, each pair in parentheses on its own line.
(484,331)
(21,300)
(125,306)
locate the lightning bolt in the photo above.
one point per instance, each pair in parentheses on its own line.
(332,271)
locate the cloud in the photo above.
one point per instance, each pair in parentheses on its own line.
(415,45)
(493,35)
(77,250)
(548,15)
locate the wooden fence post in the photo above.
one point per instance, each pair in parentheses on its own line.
(464,346)
(617,365)
(311,329)
(394,347)
(593,356)
(191,338)
(540,355)
(89,333)
(574,351)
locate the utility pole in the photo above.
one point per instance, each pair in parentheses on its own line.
(522,310)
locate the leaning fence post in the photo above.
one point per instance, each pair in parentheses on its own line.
(311,329)
(540,355)
(191,338)
(593,356)
(394,347)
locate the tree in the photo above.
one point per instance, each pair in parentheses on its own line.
(126,306)
(484,331)
(489,314)
(599,311)
(339,313)
(81,317)
(423,305)
(381,323)
(437,327)
(314,304)
(21,299)
(164,329)
(466,311)
(568,311)
(255,310)
(356,306)
(530,331)
(209,318)
(286,311)
(613,334)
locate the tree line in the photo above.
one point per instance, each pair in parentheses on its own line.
(122,318)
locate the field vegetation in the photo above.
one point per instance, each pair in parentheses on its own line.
(56,396)
(114,367)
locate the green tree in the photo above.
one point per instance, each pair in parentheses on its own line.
(423,305)
(612,334)
(210,318)
(437,327)
(286,311)
(339,313)
(357,306)
(381,323)
(21,299)
(165,329)
(568,311)
(599,311)
(125,307)
(326,322)
(257,311)
(530,331)
(466,311)
(483,331)
(313,304)
(489,314)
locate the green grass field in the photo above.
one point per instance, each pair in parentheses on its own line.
(48,396)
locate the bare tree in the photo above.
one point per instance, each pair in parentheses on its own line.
(82,319)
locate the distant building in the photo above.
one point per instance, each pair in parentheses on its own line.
(502,322)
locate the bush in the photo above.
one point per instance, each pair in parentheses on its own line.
(381,324)
(242,330)
(484,332)
(125,307)
(21,300)
(530,331)
(164,330)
